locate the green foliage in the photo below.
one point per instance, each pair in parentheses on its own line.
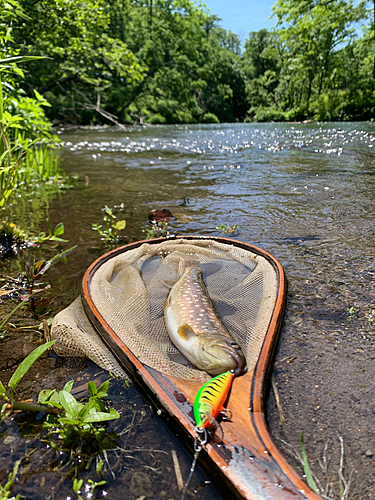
(32,273)
(225,229)
(52,235)
(77,426)
(352,314)
(9,229)
(158,230)
(310,65)
(168,61)
(371,316)
(5,490)
(209,118)
(159,62)
(112,227)
(309,478)
(74,416)
(23,368)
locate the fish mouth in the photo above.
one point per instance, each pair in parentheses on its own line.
(240,365)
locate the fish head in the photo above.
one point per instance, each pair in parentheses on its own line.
(219,354)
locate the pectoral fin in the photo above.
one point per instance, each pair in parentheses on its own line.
(185,332)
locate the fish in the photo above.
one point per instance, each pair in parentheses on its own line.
(210,399)
(195,328)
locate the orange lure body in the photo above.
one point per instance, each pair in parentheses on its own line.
(210,399)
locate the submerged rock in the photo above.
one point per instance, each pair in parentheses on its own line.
(161,215)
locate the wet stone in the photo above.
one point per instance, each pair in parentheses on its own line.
(141,485)
(10,440)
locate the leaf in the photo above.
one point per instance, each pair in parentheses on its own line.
(68,386)
(59,229)
(103,389)
(99,466)
(27,363)
(55,238)
(102,417)
(121,224)
(18,59)
(99,405)
(2,391)
(109,212)
(306,467)
(86,410)
(38,96)
(62,254)
(69,421)
(77,484)
(37,267)
(45,395)
(1,104)
(49,227)
(69,403)
(92,389)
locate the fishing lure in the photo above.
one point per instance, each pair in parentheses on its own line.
(210,399)
(209,403)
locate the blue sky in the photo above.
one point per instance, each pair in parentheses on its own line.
(242,16)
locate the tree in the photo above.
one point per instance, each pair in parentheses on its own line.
(311,31)
(83,58)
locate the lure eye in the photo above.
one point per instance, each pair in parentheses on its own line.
(235,345)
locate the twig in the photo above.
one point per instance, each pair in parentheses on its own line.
(130,429)
(18,306)
(288,360)
(278,401)
(180,482)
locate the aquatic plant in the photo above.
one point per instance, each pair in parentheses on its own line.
(5,490)
(9,404)
(9,229)
(90,486)
(74,421)
(306,467)
(371,317)
(352,314)
(225,229)
(112,227)
(158,230)
(52,235)
(326,488)
(31,274)
(24,161)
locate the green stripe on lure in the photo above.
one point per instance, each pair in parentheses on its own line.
(210,399)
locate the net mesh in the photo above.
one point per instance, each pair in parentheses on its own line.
(129,291)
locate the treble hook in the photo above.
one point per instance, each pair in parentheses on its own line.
(200,440)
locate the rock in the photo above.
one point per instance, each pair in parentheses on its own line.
(162,215)
(9,440)
(141,485)
(369,453)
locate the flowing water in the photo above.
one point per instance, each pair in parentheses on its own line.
(304,193)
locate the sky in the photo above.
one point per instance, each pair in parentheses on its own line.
(242,16)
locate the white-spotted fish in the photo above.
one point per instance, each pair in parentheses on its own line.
(196,329)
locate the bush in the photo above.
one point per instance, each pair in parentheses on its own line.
(209,118)
(181,116)
(156,119)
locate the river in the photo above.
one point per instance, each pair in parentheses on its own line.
(303,192)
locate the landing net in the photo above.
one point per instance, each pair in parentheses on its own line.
(129,290)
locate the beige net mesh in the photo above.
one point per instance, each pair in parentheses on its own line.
(129,291)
